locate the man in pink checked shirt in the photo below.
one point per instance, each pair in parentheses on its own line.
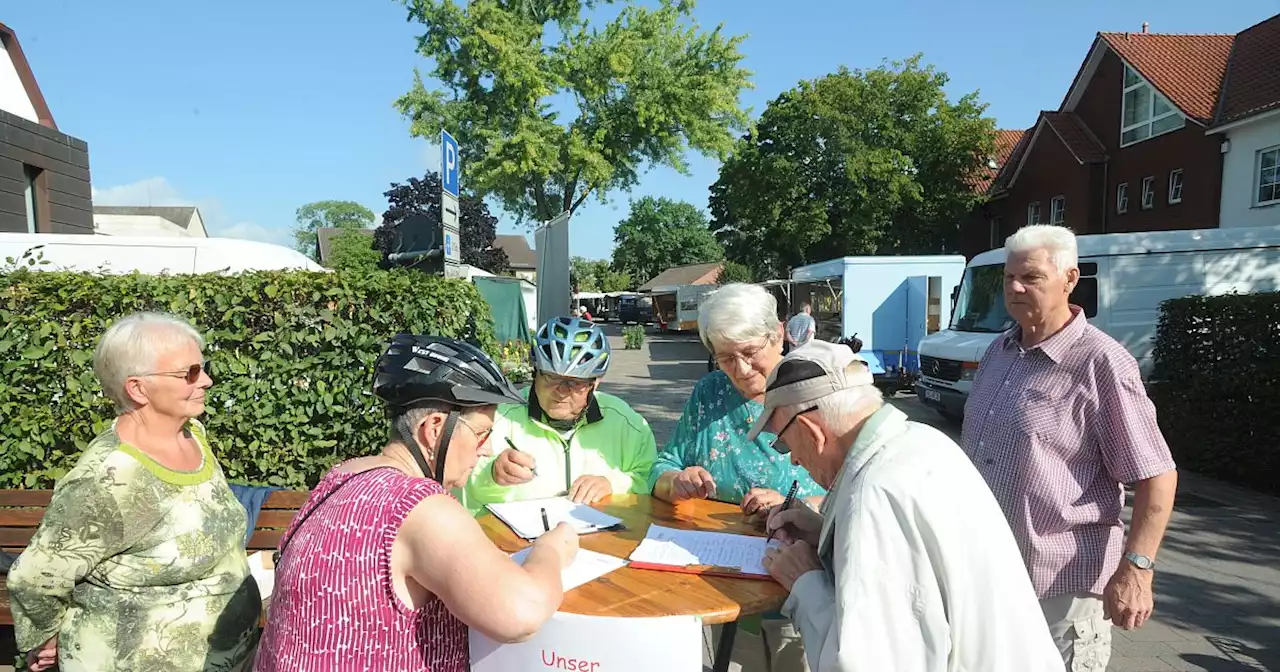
(1058,418)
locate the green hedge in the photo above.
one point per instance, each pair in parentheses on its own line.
(1216,385)
(291,355)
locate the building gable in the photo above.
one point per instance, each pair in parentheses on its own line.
(19,93)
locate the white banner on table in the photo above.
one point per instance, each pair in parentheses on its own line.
(577,643)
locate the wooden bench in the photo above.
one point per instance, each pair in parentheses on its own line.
(21,511)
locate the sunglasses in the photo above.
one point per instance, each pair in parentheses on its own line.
(191,374)
(783,448)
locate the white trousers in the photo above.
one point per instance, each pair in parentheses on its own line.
(1083,636)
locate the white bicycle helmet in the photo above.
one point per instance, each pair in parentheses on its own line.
(571,347)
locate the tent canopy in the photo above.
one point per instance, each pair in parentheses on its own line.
(505,297)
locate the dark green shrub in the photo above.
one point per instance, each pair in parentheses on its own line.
(291,356)
(1216,386)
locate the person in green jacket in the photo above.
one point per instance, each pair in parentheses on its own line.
(568,439)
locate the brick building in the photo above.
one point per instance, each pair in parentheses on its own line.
(44,173)
(1139,142)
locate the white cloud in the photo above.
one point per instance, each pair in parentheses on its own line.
(157,192)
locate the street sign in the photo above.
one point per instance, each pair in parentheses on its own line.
(450,176)
(450,169)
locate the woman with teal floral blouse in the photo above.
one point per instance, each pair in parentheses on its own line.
(708,455)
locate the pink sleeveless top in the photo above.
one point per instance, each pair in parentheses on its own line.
(334,607)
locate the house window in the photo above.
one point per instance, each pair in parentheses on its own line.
(1122,198)
(1033,213)
(1085,294)
(1269,176)
(1175,186)
(1058,210)
(1145,113)
(1148,193)
(31,174)
(994,242)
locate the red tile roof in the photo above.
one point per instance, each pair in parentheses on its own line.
(1080,141)
(1006,142)
(1187,69)
(1253,75)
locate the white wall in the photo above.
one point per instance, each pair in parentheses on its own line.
(1240,174)
(13,97)
(137,225)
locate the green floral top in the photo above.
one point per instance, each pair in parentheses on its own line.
(139,567)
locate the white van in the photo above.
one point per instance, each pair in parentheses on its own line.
(151,254)
(1123,279)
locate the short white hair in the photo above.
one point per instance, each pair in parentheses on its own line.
(1058,241)
(133,345)
(737,312)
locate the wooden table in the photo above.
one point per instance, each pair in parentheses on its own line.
(639,593)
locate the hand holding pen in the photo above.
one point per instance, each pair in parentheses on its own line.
(786,505)
(514,466)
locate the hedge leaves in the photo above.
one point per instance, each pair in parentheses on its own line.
(291,354)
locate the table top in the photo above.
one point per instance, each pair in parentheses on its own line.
(647,593)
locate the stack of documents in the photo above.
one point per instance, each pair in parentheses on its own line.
(525,518)
(713,553)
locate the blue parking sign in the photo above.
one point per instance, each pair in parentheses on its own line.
(450,170)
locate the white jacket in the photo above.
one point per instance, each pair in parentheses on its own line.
(922,573)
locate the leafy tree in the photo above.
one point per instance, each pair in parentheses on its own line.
(661,233)
(732,271)
(328,214)
(856,162)
(595,275)
(476,226)
(353,250)
(542,125)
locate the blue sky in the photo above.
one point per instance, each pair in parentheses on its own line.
(250,109)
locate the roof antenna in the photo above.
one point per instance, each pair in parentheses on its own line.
(1144,27)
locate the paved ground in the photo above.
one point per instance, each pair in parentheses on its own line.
(1218,584)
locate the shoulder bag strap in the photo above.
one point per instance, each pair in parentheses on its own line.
(280,552)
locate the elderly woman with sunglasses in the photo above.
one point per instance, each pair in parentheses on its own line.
(139,561)
(709,455)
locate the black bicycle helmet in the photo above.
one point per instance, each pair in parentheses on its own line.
(420,370)
(423,369)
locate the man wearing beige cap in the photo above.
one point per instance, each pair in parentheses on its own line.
(910,564)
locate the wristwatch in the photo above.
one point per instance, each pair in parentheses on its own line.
(1139,561)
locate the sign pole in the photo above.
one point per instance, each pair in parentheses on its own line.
(450,178)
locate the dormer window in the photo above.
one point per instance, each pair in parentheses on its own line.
(1145,112)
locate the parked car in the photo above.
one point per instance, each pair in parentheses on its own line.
(637,309)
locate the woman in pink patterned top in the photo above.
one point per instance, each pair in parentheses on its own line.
(382,569)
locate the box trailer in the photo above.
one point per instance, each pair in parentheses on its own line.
(889,303)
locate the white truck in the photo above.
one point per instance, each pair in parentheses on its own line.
(1123,279)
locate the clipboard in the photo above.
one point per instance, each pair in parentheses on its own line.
(701,570)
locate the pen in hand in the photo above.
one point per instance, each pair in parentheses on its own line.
(786,504)
(513,447)
(546,527)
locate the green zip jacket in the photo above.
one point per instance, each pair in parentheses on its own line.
(610,440)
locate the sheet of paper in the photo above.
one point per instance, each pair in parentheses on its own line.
(525,518)
(262,570)
(587,567)
(669,546)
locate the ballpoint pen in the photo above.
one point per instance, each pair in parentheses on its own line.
(513,447)
(546,527)
(786,504)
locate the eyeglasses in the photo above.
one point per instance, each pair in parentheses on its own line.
(191,374)
(750,356)
(783,448)
(567,384)
(482,435)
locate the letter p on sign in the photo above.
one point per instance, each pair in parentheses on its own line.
(450,171)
